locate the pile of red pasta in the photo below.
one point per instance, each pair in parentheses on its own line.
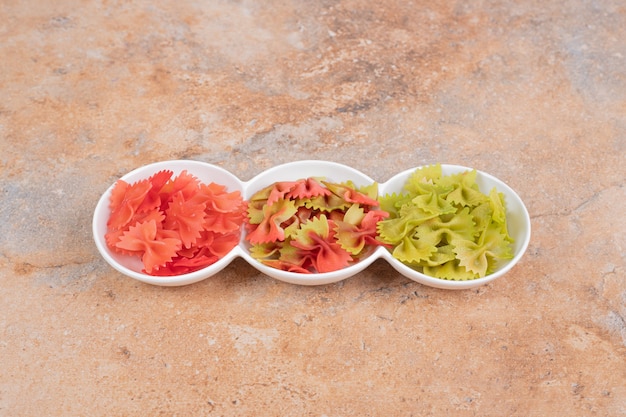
(176,224)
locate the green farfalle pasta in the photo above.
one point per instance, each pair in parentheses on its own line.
(481,257)
(445,227)
(396,229)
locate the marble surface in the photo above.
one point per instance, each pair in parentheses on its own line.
(533,92)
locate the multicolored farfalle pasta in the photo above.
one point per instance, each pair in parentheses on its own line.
(312,225)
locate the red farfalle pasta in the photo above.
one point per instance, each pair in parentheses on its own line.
(175,224)
(186,217)
(152,200)
(155,245)
(125,200)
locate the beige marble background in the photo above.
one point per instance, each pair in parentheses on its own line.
(533,92)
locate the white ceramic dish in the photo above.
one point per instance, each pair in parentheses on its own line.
(293,171)
(518,222)
(517,217)
(130,265)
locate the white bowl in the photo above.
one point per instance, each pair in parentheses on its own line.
(291,172)
(517,218)
(131,265)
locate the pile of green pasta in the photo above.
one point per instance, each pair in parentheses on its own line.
(445,227)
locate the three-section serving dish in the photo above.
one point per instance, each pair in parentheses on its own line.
(517,218)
